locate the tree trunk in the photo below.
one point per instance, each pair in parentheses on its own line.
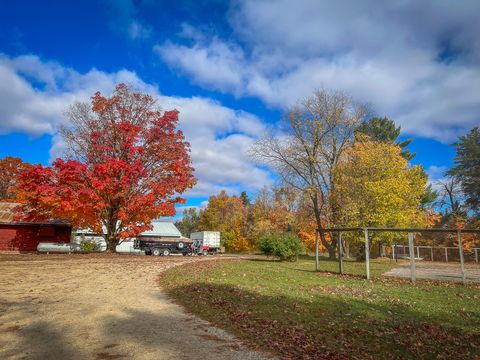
(111,235)
(111,243)
(330,247)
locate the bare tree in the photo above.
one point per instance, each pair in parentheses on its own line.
(317,131)
(451,198)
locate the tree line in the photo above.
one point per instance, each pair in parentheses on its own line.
(336,167)
(126,163)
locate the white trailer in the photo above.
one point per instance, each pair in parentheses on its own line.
(206,242)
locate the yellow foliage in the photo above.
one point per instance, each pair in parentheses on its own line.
(374,186)
(226,214)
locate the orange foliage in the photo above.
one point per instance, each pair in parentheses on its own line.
(10,169)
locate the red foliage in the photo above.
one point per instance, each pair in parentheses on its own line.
(133,173)
(10,170)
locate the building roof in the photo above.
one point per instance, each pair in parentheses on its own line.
(162,229)
(6,211)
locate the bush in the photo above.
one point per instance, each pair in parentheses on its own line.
(284,246)
(89,246)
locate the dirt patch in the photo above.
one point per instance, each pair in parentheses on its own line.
(437,271)
(101,306)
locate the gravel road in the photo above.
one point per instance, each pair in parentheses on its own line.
(101,306)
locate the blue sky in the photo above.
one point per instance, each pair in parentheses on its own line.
(232,68)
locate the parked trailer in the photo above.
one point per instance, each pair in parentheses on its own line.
(206,242)
(163,246)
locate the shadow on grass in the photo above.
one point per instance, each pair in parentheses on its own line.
(327,326)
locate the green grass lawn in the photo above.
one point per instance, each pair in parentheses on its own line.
(290,310)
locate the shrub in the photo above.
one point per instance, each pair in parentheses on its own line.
(284,246)
(89,246)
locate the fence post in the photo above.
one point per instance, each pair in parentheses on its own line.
(340,253)
(460,250)
(411,251)
(316,250)
(393,252)
(367,254)
(476,255)
(431,252)
(446,254)
(418,252)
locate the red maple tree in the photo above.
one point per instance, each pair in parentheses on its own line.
(132,164)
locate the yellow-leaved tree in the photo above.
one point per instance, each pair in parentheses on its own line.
(226,214)
(376,187)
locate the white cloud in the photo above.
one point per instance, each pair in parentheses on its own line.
(34,95)
(136,30)
(436,177)
(436,172)
(416,62)
(215,64)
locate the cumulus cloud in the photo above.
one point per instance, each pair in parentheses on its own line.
(34,95)
(214,65)
(416,62)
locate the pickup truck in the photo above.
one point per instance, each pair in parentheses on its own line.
(163,246)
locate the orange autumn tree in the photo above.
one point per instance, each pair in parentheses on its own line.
(306,226)
(10,169)
(126,164)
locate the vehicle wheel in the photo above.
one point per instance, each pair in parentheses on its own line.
(205,252)
(166,252)
(148,252)
(180,245)
(156,252)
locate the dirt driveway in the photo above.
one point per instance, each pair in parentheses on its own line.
(100,307)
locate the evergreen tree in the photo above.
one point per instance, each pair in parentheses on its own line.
(384,130)
(245,199)
(467,168)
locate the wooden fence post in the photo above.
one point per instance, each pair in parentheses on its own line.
(446,254)
(367,255)
(316,250)
(340,253)
(460,250)
(411,251)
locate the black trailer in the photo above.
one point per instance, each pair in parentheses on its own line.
(163,246)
